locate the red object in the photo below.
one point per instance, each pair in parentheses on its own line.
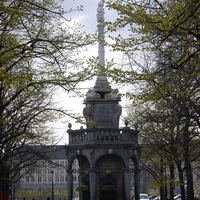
(7,197)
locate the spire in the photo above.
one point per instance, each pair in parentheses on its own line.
(100,21)
(101,86)
(102,102)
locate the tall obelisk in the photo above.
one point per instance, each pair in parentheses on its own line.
(101,82)
(102,103)
(100,21)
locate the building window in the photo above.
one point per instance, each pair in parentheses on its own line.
(44,171)
(39,171)
(32,179)
(49,164)
(44,163)
(62,179)
(198,177)
(56,171)
(57,178)
(62,171)
(27,179)
(57,163)
(44,179)
(49,179)
(40,163)
(62,163)
(39,179)
(29,171)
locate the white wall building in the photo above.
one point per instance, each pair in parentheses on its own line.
(43,172)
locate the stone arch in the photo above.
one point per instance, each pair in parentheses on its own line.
(105,153)
(135,157)
(135,160)
(83,173)
(83,161)
(109,159)
(84,179)
(110,176)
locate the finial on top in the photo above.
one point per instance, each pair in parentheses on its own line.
(126,123)
(70,126)
(100,4)
(100,13)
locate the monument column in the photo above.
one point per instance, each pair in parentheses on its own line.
(137,184)
(127,183)
(69,184)
(137,176)
(92,184)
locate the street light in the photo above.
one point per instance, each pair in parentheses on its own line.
(52,187)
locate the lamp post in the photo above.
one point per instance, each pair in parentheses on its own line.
(52,187)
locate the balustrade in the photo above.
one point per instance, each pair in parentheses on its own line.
(87,136)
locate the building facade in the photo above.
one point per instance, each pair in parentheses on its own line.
(48,171)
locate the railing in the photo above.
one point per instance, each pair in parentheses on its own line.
(103,136)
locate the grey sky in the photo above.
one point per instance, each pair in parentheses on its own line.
(87,17)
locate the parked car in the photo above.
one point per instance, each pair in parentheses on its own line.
(76,198)
(178,197)
(152,197)
(144,197)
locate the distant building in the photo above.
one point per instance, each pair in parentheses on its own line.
(53,165)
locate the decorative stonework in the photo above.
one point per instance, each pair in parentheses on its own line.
(100,12)
(103,136)
(91,94)
(103,150)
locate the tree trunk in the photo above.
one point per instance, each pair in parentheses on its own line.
(189,177)
(188,167)
(181,180)
(1,188)
(162,192)
(171,188)
(4,183)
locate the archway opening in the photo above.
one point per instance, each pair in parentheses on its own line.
(108,188)
(110,177)
(84,183)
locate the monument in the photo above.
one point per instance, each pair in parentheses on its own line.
(108,156)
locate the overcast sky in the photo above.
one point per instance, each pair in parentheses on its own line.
(88,19)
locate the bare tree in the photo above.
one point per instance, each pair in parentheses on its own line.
(39,50)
